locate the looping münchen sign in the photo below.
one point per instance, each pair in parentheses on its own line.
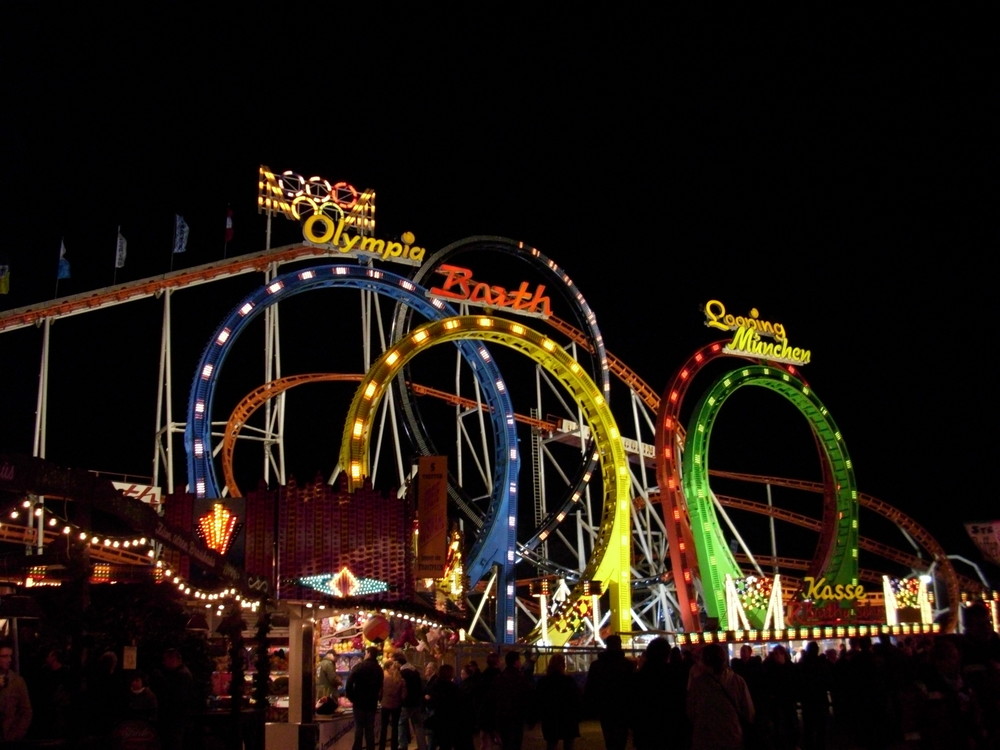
(749,335)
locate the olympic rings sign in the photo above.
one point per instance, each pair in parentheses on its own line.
(329,212)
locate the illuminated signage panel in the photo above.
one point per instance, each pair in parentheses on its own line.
(335,214)
(750,333)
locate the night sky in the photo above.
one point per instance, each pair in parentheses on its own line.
(835,170)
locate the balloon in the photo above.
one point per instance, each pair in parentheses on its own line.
(376,629)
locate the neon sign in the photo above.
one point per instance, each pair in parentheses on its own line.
(328,213)
(217,528)
(820,590)
(459,285)
(320,229)
(749,335)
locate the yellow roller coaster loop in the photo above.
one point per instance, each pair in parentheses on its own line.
(610,561)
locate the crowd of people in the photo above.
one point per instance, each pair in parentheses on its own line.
(922,691)
(929,691)
(486,708)
(97,707)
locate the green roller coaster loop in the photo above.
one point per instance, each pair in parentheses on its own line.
(715,560)
(610,561)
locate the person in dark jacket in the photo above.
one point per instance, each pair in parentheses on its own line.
(174,686)
(363,688)
(560,703)
(606,692)
(444,701)
(514,692)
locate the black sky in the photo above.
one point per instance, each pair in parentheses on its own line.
(835,169)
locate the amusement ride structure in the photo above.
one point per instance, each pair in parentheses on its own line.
(584,496)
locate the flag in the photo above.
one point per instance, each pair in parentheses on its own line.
(120,251)
(229,225)
(180,234)
(63,272)
(4,279)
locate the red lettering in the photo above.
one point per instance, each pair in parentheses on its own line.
(454,276)
(460,285)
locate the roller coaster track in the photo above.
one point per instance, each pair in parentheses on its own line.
(915,530)
(35,315)
(953,582)
(909,560)
(22,317)
(250,403)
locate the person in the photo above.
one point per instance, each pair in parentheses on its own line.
(485,700)
(327,680)
(750,667)
(560,702)
(514,702)
(468,692)
(54,694)
(140,700)
(718,702)
(443,702)
(99,715)
(174,686)
(814,680)
(781,694)
(412,712)
(138,716)
(363,688)
(15,702)
(654,699)
(606,692)
(430,676)
(392,702)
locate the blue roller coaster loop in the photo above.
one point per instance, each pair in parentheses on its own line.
(495,544)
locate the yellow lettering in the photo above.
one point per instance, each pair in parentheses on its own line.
(820,590)
(324,234)
(372,245)
(348,243)
(717,317)
(713,311)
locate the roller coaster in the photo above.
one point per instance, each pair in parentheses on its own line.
(613,497)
